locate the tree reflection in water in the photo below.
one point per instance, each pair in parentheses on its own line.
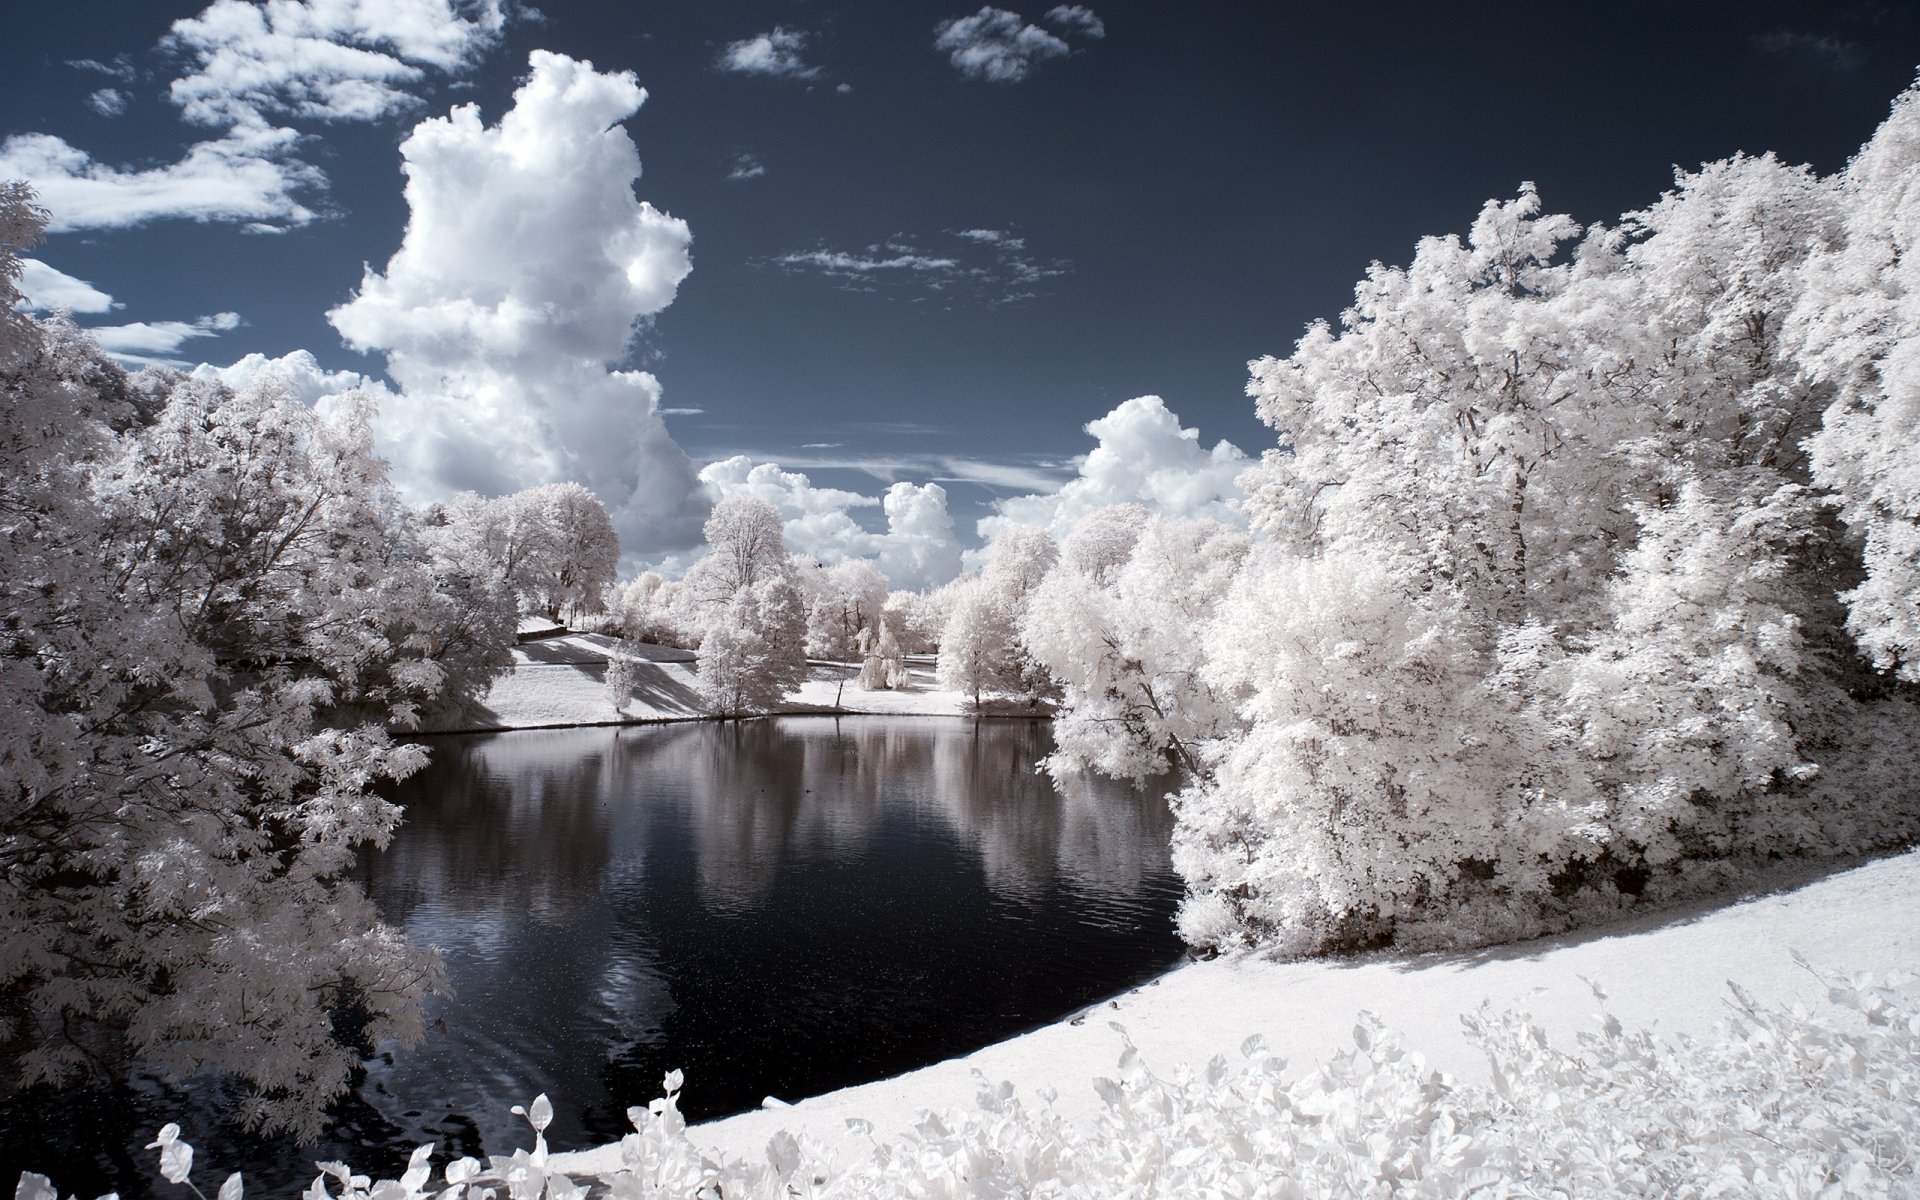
(779,907)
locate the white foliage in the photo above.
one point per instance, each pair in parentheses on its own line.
(1776,1102)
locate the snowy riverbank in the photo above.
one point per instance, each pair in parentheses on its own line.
(560,681)
(1667,972)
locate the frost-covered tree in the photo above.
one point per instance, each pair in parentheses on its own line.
(743,600)
(845,605)
(744,546)
(883,666)
(915,619)
(553,544)
(619,681)
(209,622)
(1115,622)
(581,549)
(1857,330)
(977,647)
(753,653)
(1598,653)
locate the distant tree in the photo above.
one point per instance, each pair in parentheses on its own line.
(744,546)
(977,651)
(915,620)
(846,605)
(580,547)
(883,666)
(753,653)
(620,679)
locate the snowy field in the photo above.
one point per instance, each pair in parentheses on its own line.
(560,681)
(1665,973)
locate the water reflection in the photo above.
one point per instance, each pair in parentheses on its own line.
(779,907)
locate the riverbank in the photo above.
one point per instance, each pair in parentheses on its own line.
(559,681)
(1666,972)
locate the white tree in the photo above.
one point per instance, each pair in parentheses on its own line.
(210,621)
(883,666)
(753,653)
(1857,329)
(846,605)
(1118,629)
(977,651)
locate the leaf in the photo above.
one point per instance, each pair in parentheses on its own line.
(541,1114)
(176,1161)
(673,1081)
(783,1154)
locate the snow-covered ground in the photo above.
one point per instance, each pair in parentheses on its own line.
(1665,972)
(561,681)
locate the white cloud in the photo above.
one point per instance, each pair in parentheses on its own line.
(916,549)
(774,54)
(299,370)
(843,88)
(108,102)
(45,289)
(244,64)
(746,166)
(979,264)
(1077,18)
(526,264)
(995,45)
(331,60)
(143,343)
(240,177)
(940,468)
(1144,457)
(120,68)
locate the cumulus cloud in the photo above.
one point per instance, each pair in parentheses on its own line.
(746,166)
(995,45)
(1077,18)
(506,310)
(108,102)
(1142,456)
(149,343)
(298,370)
(241,177)
(917,548)
(330,60)
(44,289)
(776,54)
(985,265)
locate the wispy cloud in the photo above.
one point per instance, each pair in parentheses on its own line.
(144,343)
(45,289)
(120,68)
(776,54)
(1823,51)
(979,264)
(746,166)
(239,177)
(108,102)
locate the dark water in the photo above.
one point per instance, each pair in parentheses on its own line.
(776,907)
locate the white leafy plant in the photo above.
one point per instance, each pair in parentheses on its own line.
(1778,1102)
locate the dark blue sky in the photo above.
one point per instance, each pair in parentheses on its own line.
(1191,189)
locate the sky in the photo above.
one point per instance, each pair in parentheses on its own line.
(900,268)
